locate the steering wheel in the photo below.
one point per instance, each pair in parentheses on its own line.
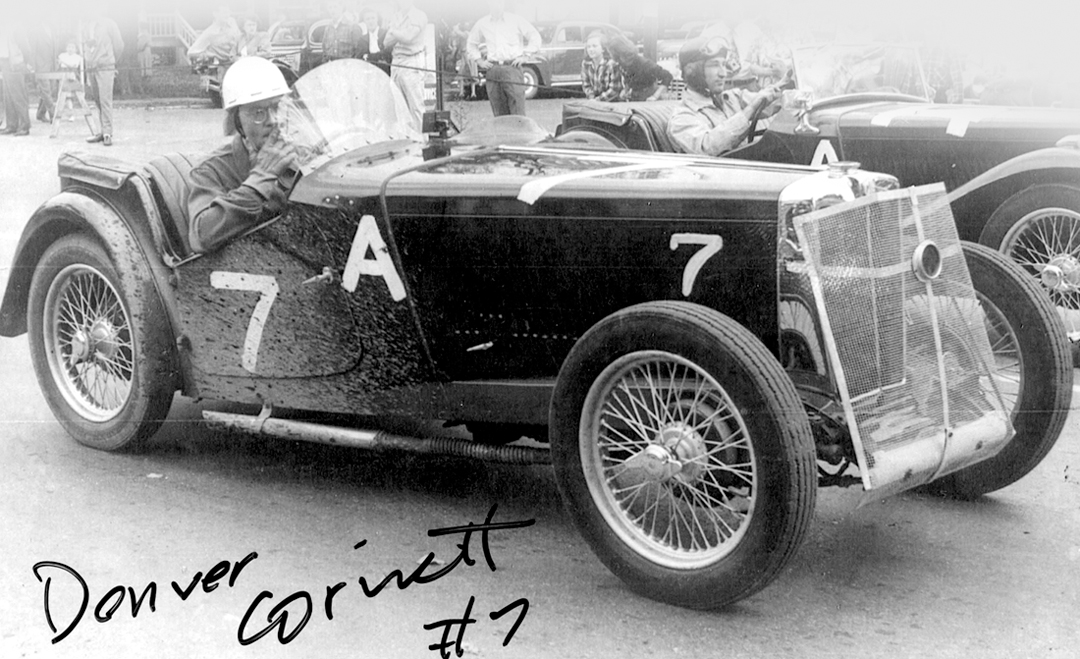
(754,119)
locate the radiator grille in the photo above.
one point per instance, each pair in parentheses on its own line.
(920,403)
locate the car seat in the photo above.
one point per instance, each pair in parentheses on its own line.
(170,175)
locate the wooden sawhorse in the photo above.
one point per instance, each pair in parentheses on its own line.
(71,88)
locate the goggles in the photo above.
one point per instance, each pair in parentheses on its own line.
(716,47)
(258,115)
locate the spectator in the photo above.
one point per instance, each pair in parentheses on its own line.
(405,38)
(763,59)
(715,118)
(43,60)
(71,61)
(241,184)
(218,41)
(944,74)
(599,79)
(144,54)
(466,68)
(341,40)
(102,48)
(373,42)
(643,79)
(3,67)
(499,44)
(16,102)
(252,42)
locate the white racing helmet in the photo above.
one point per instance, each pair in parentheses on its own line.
(251,79)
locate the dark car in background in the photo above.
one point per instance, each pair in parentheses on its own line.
(561,53)
(295,48)
(298,43)
(1013,173)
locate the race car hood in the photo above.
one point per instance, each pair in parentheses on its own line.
(930,121)
(529,172)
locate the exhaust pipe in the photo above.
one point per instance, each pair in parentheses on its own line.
(376,440)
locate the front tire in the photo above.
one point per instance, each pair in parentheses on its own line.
(683,454)
(1034,367)
(101,352)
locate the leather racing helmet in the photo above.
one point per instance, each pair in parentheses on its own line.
(695,52)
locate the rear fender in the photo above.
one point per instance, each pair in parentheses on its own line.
(975,201)
(94,212)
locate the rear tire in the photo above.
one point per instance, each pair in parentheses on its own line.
(102,353)
(675,411)
(1042,368)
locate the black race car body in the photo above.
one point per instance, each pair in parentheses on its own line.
(1012,173)
(691,336)
(983,154)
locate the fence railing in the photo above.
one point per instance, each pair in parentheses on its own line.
(171,26)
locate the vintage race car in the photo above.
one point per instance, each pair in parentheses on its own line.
(1012,173)
(700,342)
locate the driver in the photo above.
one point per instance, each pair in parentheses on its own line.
(716,116)
(243,183)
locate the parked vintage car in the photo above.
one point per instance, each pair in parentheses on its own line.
(1012,173)
(295,48)
(561,52)
(298,43)
(701,342)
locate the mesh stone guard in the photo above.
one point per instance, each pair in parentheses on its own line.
(910,354)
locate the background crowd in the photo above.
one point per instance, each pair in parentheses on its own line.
(388,34)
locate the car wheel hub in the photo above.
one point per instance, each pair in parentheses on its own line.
(100,341)
(1061,274)
(676,453)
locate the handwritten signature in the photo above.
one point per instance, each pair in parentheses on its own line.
(277,619)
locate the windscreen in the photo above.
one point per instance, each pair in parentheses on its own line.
(830,70)
(340,106)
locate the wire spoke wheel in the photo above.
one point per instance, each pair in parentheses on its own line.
(672,469)
(88,341)
(101,344)
(1046,243)
(683,453)
(1005,350)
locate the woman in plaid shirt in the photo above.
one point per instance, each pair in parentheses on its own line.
(600,77)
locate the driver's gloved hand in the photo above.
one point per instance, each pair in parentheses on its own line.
(273,170)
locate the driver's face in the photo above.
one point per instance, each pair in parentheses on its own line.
(257,120)
(716,72)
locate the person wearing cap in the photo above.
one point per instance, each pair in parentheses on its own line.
(716,116)
(243,183)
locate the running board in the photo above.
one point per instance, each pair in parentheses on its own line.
(376,440)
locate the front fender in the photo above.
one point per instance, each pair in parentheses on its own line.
(78,212)
(975,201)
(542,66)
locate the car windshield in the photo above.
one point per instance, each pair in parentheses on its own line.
(340,106)
(830,70)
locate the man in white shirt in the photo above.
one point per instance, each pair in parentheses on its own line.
(500,43)
(405,38)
